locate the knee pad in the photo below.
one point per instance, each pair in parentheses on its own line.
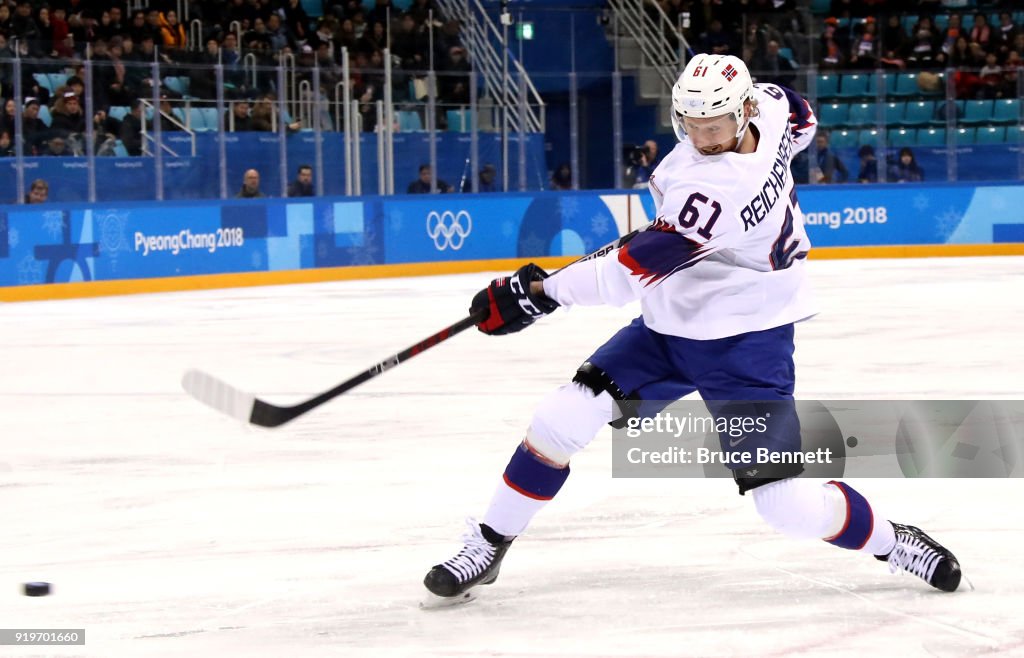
(801,508)
(566,420)
(598,381)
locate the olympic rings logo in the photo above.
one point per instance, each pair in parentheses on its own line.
(449,229)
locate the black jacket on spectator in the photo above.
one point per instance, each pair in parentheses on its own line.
(297,188)
(131,134)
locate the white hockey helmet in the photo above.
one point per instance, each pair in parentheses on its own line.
(711,86)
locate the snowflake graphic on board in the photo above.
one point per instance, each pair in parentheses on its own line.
(53,223)
(570,206)
(921,202)
(111,225)
(533,245)
(13,238)
(30,271)
(599,223)
(508,229)
(948,221)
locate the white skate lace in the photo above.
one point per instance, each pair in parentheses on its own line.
(474,557)
(914,556)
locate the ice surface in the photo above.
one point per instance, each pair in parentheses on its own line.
(170,530)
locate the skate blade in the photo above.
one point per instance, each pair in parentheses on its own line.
(435,602)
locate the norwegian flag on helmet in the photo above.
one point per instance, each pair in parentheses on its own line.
(729,72)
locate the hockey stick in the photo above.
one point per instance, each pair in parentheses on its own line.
(247,408)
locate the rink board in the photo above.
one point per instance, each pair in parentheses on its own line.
(73,250)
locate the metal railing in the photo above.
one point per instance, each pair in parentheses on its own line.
(493,60)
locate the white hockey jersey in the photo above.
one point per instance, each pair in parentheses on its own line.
(726,252)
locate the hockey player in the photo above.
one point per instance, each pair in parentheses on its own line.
(720,277)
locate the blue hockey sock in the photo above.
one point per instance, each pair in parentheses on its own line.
(859,523)
(533,477)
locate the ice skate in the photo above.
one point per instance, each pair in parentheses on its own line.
(918,554)
(477,563)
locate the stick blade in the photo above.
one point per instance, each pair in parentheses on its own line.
(219,395)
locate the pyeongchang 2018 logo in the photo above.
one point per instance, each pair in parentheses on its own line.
(448,229)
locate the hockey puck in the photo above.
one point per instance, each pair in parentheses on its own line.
(37,589)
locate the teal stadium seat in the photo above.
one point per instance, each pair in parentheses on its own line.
(976,112)
(901,137)
(44,115)
(196,120)
(58,80)
(179,114)
(209,118)
(833,114)
(828,86)
(871,136)
(120,150)
(118,112)
(863,114)
(409,121)
(1007,110)
(965,135)
(179,85)
(991,135)
(856,85)
(43,81)
(843,138)
(894,114)
(906,85)
(458,120)
(314,8)
(821,7)
(935,137)
(919,113)
(908,24)
(942,21)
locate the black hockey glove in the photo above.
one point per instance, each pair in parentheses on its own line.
(510,305)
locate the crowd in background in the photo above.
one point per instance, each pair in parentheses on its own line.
(57,36)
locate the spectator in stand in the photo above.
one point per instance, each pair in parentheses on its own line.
(201,84)
(981,33)
(303,183)
(67,114)
(238,119)
(991,78)
(25,28)
(454,80)
(172,33)
(960,55)
(864,52)
(562,178)
(296,20)
(485,180)
(422,184)
(924,51)
(409,44)
(1009,83)
(7,118)
(1007,31)
(868,165)
(277,34)
(250,186)
(138,27)
(63,42)
(34,131)
(828,168)
(374,40)
(773,67)
(39,192)
(131,128)
(716,41)
(264,115)
(6,144)
(56,146)
(906,169)
(831,46)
